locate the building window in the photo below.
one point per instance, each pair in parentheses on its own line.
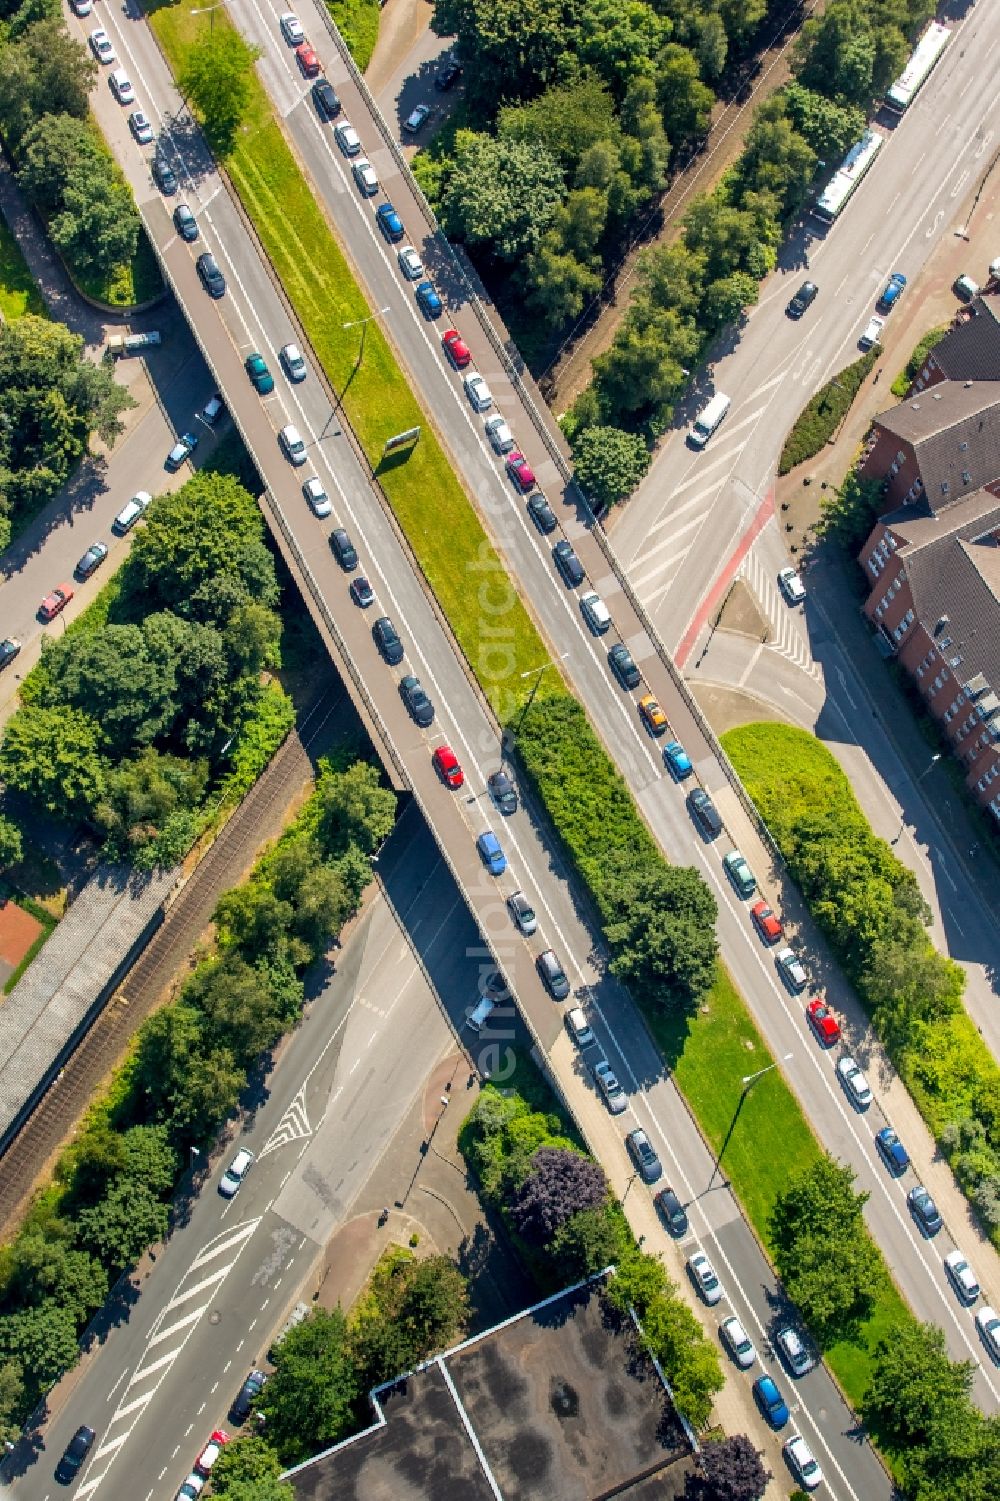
(945,487)
(966,477)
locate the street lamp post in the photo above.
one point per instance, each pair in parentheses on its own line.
(902,822)
(537,673)
(748,1081)
(363,323)
(628,1186)
(208,10)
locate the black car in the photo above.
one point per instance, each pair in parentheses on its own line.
(387,640)
(541,513)
(640,1150)
(622,665)
(325,99)
(91,560)
(74,1454)
(447,77)
(164,176)
(704,812)
(212,278)
(804,297)
(569,565)
(244,1399)
(419,705)
(672,1210)
(502,791)
(185,223)
(924,1210)
(343,549)
(9,648)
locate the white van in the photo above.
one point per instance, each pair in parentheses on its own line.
(130,513)
(708,419)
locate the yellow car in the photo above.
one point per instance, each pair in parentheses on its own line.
(652,714)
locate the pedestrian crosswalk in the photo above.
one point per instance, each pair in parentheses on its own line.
(788,635)
(171,1331)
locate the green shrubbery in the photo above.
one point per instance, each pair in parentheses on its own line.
(869,906)
(190,1062)
(560,1212)
(820,418)
(904,380)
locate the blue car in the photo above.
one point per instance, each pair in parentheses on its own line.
(770,1401)
(677,760)
(893,291)
(491,854)
(389,222)
(892,1151)
(430,303)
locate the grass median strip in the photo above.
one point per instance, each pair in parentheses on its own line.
(18,292)
(462,568)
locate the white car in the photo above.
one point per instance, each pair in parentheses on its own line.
(317,497)
(988,1324)
(800,1461)
(794,1351)
(791,586)
(872,333)
(410,263)
(347,138)
(961,1276)
(192,1487)
(522,912)
(237,1170)
(291,29)
(614,1096)
(499,433)
(413,121)
(741,1346)
(130,513)
(365,177)
(596,612)
(82,7)
(478,392)
(792,969)
(100,46)
(704,1276)
(293,444)
(579,1028)
(295,366)
(855,1083)
(140,127)
(121,86)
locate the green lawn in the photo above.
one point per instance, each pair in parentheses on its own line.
(357,21)
(18,292)
(462,568)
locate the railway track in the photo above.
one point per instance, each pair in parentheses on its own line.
(258,818)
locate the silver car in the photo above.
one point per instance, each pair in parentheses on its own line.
(794,1351)
(295,365)
(478,392)
(704,1276)
(855,1083)
(961,1276)
(522,912)
(792,969)
(606,1081)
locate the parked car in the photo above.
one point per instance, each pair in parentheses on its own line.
(961,1276)
(307,60)
(854,1082)
(212,278)
(705,1278)
(892,1151)
(416,118)
(291,29)
(595,612)
(140,127)
(164,176)
(90,562)
(651,714)
(568,564)
(181,451)
(791,969)
(739,872)
(552,974)
(232,1178)
(456,348)
(410,263)
(491,853)
(520,471)
(132,510)
(622,664)
(502,791)
(676,760)
(478,392)
(121,86)
(800,1460)
(924,1210)
(74,1454)
(343,549)
(988,1324)
(389,222)
(185,223)
(522,912)
(578,1027)
(823,1022)
(292,444)
(741,1346)
(387,640)
(419,706)
(362,592)
(770,1401)
(499,434)
(892,292)
(245,1397)
(348,139)
(54,603)
(671,1211)
(428,300)
(791,586)
(803,298)
(447,766)
(447,77)
(794,1351)
(320,503)
(101,47)
(206,1459)
(704,813)
(541,513)
(213,409)
(965,288)
(9,648)
(365,176)
(640,1149)
(260,376)
(872,332)
(614,1096)
(765,921)
(292,359)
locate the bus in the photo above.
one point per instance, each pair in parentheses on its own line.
(924,56)
(852,169)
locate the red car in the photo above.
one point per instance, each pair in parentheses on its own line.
(206,1459)
(765,922)
(823,1022)
(308,61)
(54,602)
(456,348)
(520,471)
(447,767)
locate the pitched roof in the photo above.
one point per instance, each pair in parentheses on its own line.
(970,350)
(954,430)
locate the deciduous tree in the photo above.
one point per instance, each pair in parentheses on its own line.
(502,194)
(733,1470)
(560,1184)
(217,75)
(308,1401)
(609,463)
(54,757)
(661,926)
